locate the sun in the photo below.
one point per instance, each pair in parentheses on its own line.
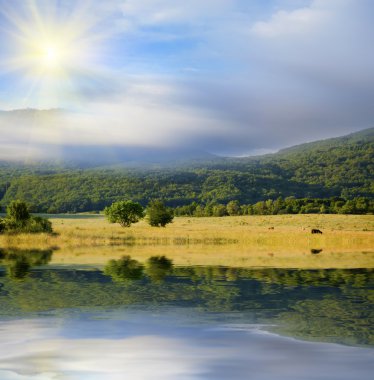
(51,56)
(50,51)
(54,49)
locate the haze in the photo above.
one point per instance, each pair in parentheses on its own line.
(228,77)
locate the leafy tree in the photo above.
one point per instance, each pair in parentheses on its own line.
(158,214)
(124,212)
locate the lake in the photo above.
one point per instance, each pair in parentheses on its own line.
(157,320)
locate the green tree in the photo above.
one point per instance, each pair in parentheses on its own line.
(158,214)
(219,210)
(124,212)
(233,208)
(18,212)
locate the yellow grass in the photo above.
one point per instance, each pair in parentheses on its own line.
(347,241)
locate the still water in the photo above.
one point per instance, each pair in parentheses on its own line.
(154,320)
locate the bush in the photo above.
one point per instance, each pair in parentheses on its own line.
(19,220)
(37,224)
(158,215)
(2,225)
(18,212)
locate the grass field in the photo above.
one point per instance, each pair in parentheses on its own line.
(261,241)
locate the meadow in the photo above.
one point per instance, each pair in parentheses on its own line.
(283,241)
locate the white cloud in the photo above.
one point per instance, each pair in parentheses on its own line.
(283,23)
(247,81)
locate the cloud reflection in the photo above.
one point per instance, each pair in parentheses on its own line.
(154,348)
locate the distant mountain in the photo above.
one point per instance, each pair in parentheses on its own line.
(362,137)
(338,167)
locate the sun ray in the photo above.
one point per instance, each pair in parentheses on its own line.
(49,45)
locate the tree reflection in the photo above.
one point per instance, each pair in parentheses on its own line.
(332,305)
(18,263)
(158,267)
(125,269)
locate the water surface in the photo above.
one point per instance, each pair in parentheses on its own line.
(155,320)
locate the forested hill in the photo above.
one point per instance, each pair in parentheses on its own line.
(338,167)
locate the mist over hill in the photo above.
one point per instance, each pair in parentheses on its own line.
(337,167)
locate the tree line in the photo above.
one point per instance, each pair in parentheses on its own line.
(289,205)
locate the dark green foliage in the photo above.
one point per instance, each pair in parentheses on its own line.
(19,220)
(18,269)
(18,212)
(290,205)
(37,224)
(2,225)
(233,208)
(124,212)
(158,215)
(18,262)
(342,167)
(158,267)
(124,269)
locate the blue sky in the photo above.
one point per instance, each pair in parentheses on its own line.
(226,76)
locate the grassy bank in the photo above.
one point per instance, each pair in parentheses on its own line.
(277,241)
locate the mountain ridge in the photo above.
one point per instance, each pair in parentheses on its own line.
(338,167)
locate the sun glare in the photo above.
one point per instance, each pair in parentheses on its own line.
(53,48)
(51,56)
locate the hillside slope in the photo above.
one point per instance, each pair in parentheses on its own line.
(335,167)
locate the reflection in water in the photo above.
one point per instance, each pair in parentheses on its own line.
(127,269)
(157,320)
(19,262)
(331,305)
(138,346)
(124,269)
(158,267)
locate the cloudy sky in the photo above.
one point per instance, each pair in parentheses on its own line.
(233,77)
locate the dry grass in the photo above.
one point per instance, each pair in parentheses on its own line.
(347,241)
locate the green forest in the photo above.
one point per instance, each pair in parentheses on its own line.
(333,175)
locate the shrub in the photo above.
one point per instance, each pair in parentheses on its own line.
(159,215)
(18,212)
(19,220)
(2,225)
